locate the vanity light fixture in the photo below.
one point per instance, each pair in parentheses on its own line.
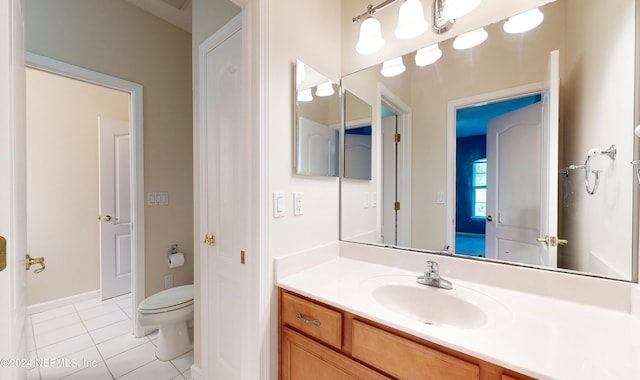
(445,13)
(370,40)
(454,9)
(411,22)
(305,95)
(325,89)
(523,22)
(427,56)
(470,39)
(393,67)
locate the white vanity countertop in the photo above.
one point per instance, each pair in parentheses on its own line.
(542,337)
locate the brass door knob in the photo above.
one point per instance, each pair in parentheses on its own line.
(210,239)
(108,218)
(552,241)
(35,260)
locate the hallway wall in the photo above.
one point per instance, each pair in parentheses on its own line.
(118,39)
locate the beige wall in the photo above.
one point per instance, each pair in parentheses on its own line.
(118,39)
(293,24)
(62,181)
(599,111)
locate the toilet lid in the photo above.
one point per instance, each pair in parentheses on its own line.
(173,298)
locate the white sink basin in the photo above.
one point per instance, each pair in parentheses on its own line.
(459,307)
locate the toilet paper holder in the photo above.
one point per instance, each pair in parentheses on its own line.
(174,249)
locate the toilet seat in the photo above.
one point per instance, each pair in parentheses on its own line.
(168,300)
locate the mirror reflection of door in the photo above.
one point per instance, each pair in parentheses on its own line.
(389,177)
(472,173)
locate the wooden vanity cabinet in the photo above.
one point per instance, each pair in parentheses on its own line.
(320,342)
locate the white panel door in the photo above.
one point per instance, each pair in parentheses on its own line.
(513,185)
(13,185)
(522,179)
(357,156)
(115,208)
(318,144)
(224,203)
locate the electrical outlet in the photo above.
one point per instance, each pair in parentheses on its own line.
(297,204)
(168,281)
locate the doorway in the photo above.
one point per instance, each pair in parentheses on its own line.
(66,181)
(394,143)
(130,95)
(471,170)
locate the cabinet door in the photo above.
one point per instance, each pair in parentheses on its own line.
(304,359)
(404,359)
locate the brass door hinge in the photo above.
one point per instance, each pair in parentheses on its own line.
(397,138)
(3,253)
(241,257)
(396,206)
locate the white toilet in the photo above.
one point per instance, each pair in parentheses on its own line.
(170,311)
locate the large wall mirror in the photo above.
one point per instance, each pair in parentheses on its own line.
(317,123)
(516,150)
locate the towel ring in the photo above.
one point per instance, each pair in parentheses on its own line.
(612,152)
(636,165)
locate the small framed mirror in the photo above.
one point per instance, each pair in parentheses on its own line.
(317,123)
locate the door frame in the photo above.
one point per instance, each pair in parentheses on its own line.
(136,147)
(404,117)
(261,362)
(452,107)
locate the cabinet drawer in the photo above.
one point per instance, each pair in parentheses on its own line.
(405,359)
(303,358)
(314,320)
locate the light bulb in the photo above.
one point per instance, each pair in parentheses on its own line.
(411,22)
(524,22)
(325,89)
(427,56)
(305,95)
(470,39)
(453,9)
(393,67)
(370,36)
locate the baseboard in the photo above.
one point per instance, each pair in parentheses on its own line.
(196,373)
(40,307)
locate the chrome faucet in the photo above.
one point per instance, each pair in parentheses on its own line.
(432,277)
(445,250)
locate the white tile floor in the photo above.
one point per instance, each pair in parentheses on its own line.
(93,340)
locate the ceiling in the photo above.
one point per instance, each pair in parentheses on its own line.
(168,11)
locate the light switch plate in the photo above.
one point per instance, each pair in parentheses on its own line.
(278,204)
